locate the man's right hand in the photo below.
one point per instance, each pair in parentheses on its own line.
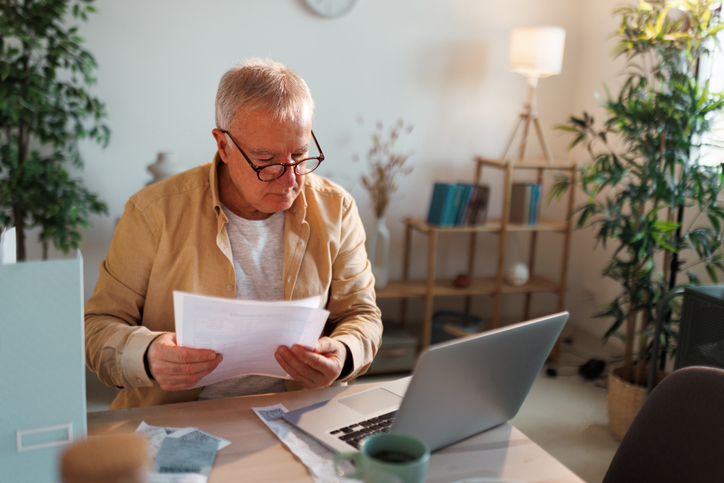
(175,368)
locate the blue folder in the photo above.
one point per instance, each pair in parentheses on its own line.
(42,400)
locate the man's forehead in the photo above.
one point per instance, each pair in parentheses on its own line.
(301,115)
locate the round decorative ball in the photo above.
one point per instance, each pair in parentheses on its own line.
(517,274)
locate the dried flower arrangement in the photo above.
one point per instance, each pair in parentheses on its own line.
(386,165)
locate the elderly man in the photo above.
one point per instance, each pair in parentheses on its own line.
(253,224)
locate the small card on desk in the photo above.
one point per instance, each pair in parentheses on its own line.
(186,456)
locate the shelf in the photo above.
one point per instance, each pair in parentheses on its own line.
(492,226)
(543,225)
(526,164)
(403,290)
(536,284)
(479,286)
(441,288)
(495,285)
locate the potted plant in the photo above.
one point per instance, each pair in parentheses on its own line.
(45,110)
(386,165)
(645,170)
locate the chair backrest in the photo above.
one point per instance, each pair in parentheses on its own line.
(701,333)
(677,435)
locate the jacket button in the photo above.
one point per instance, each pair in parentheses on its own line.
(229,288)
(139,381)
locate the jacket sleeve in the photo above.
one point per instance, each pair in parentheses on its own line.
(354,316)
(115,340)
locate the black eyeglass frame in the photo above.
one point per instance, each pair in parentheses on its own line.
(258,169)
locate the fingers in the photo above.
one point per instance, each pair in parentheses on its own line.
(176,368)
(325,345)
(178,382)
(313,369)
(171,352)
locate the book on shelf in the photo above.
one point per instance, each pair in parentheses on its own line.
(462,208)
(451,209)
(442,194)
(525,203)
(534,205)
(479,214)
(458,204)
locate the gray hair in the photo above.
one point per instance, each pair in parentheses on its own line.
(261,84)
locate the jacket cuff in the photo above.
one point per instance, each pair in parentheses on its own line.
(133,368)
(351,368)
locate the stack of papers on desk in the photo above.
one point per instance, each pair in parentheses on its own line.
(246,333)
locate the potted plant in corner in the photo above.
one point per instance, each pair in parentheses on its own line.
(45,110)
(644,171)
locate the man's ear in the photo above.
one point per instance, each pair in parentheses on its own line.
(221,143)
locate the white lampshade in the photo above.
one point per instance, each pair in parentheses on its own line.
(537,51)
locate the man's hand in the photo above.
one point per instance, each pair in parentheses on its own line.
(316,368)
(175,368)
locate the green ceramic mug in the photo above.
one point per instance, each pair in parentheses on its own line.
(387,457)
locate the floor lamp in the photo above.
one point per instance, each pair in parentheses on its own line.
(535,52)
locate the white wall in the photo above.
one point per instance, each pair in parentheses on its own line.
(440,64)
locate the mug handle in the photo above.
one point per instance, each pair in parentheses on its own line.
(353,457)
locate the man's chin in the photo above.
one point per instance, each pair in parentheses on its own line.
(281,202)
(277,207)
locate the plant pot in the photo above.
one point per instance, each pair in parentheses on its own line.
(624,401)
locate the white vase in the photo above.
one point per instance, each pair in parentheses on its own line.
(164,167)
(379,253)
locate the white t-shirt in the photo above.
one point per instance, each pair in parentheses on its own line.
(257,247)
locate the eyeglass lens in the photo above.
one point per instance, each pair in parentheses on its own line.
(270,173)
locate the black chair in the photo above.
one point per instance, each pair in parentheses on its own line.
(678,435)
(701,332)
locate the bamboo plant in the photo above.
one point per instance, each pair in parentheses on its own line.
(645,168)
(45,110)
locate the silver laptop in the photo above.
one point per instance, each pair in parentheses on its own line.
(458,389)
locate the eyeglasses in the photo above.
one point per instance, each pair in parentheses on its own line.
(275,171)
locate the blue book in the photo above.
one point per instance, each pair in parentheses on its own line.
(451,209)
(467,192)
(442,194)
(534,205)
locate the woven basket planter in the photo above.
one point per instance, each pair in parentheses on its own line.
(624,401)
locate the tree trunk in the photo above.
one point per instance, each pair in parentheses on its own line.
(19,216)
(630,331)
(23,142)
(641,363)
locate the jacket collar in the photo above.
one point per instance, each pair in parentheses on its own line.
(214,184)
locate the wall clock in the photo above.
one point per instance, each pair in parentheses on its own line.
(330,8)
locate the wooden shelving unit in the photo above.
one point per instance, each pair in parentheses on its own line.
(494,285)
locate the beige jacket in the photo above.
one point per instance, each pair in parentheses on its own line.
(172,236)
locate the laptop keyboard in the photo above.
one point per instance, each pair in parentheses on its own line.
(354,433)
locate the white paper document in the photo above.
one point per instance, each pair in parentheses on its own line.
(246,333)
(318,459)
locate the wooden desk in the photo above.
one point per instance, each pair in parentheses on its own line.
(256,455)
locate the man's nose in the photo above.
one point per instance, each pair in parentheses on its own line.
(289,177)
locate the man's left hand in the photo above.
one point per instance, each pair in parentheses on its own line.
(315,368)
